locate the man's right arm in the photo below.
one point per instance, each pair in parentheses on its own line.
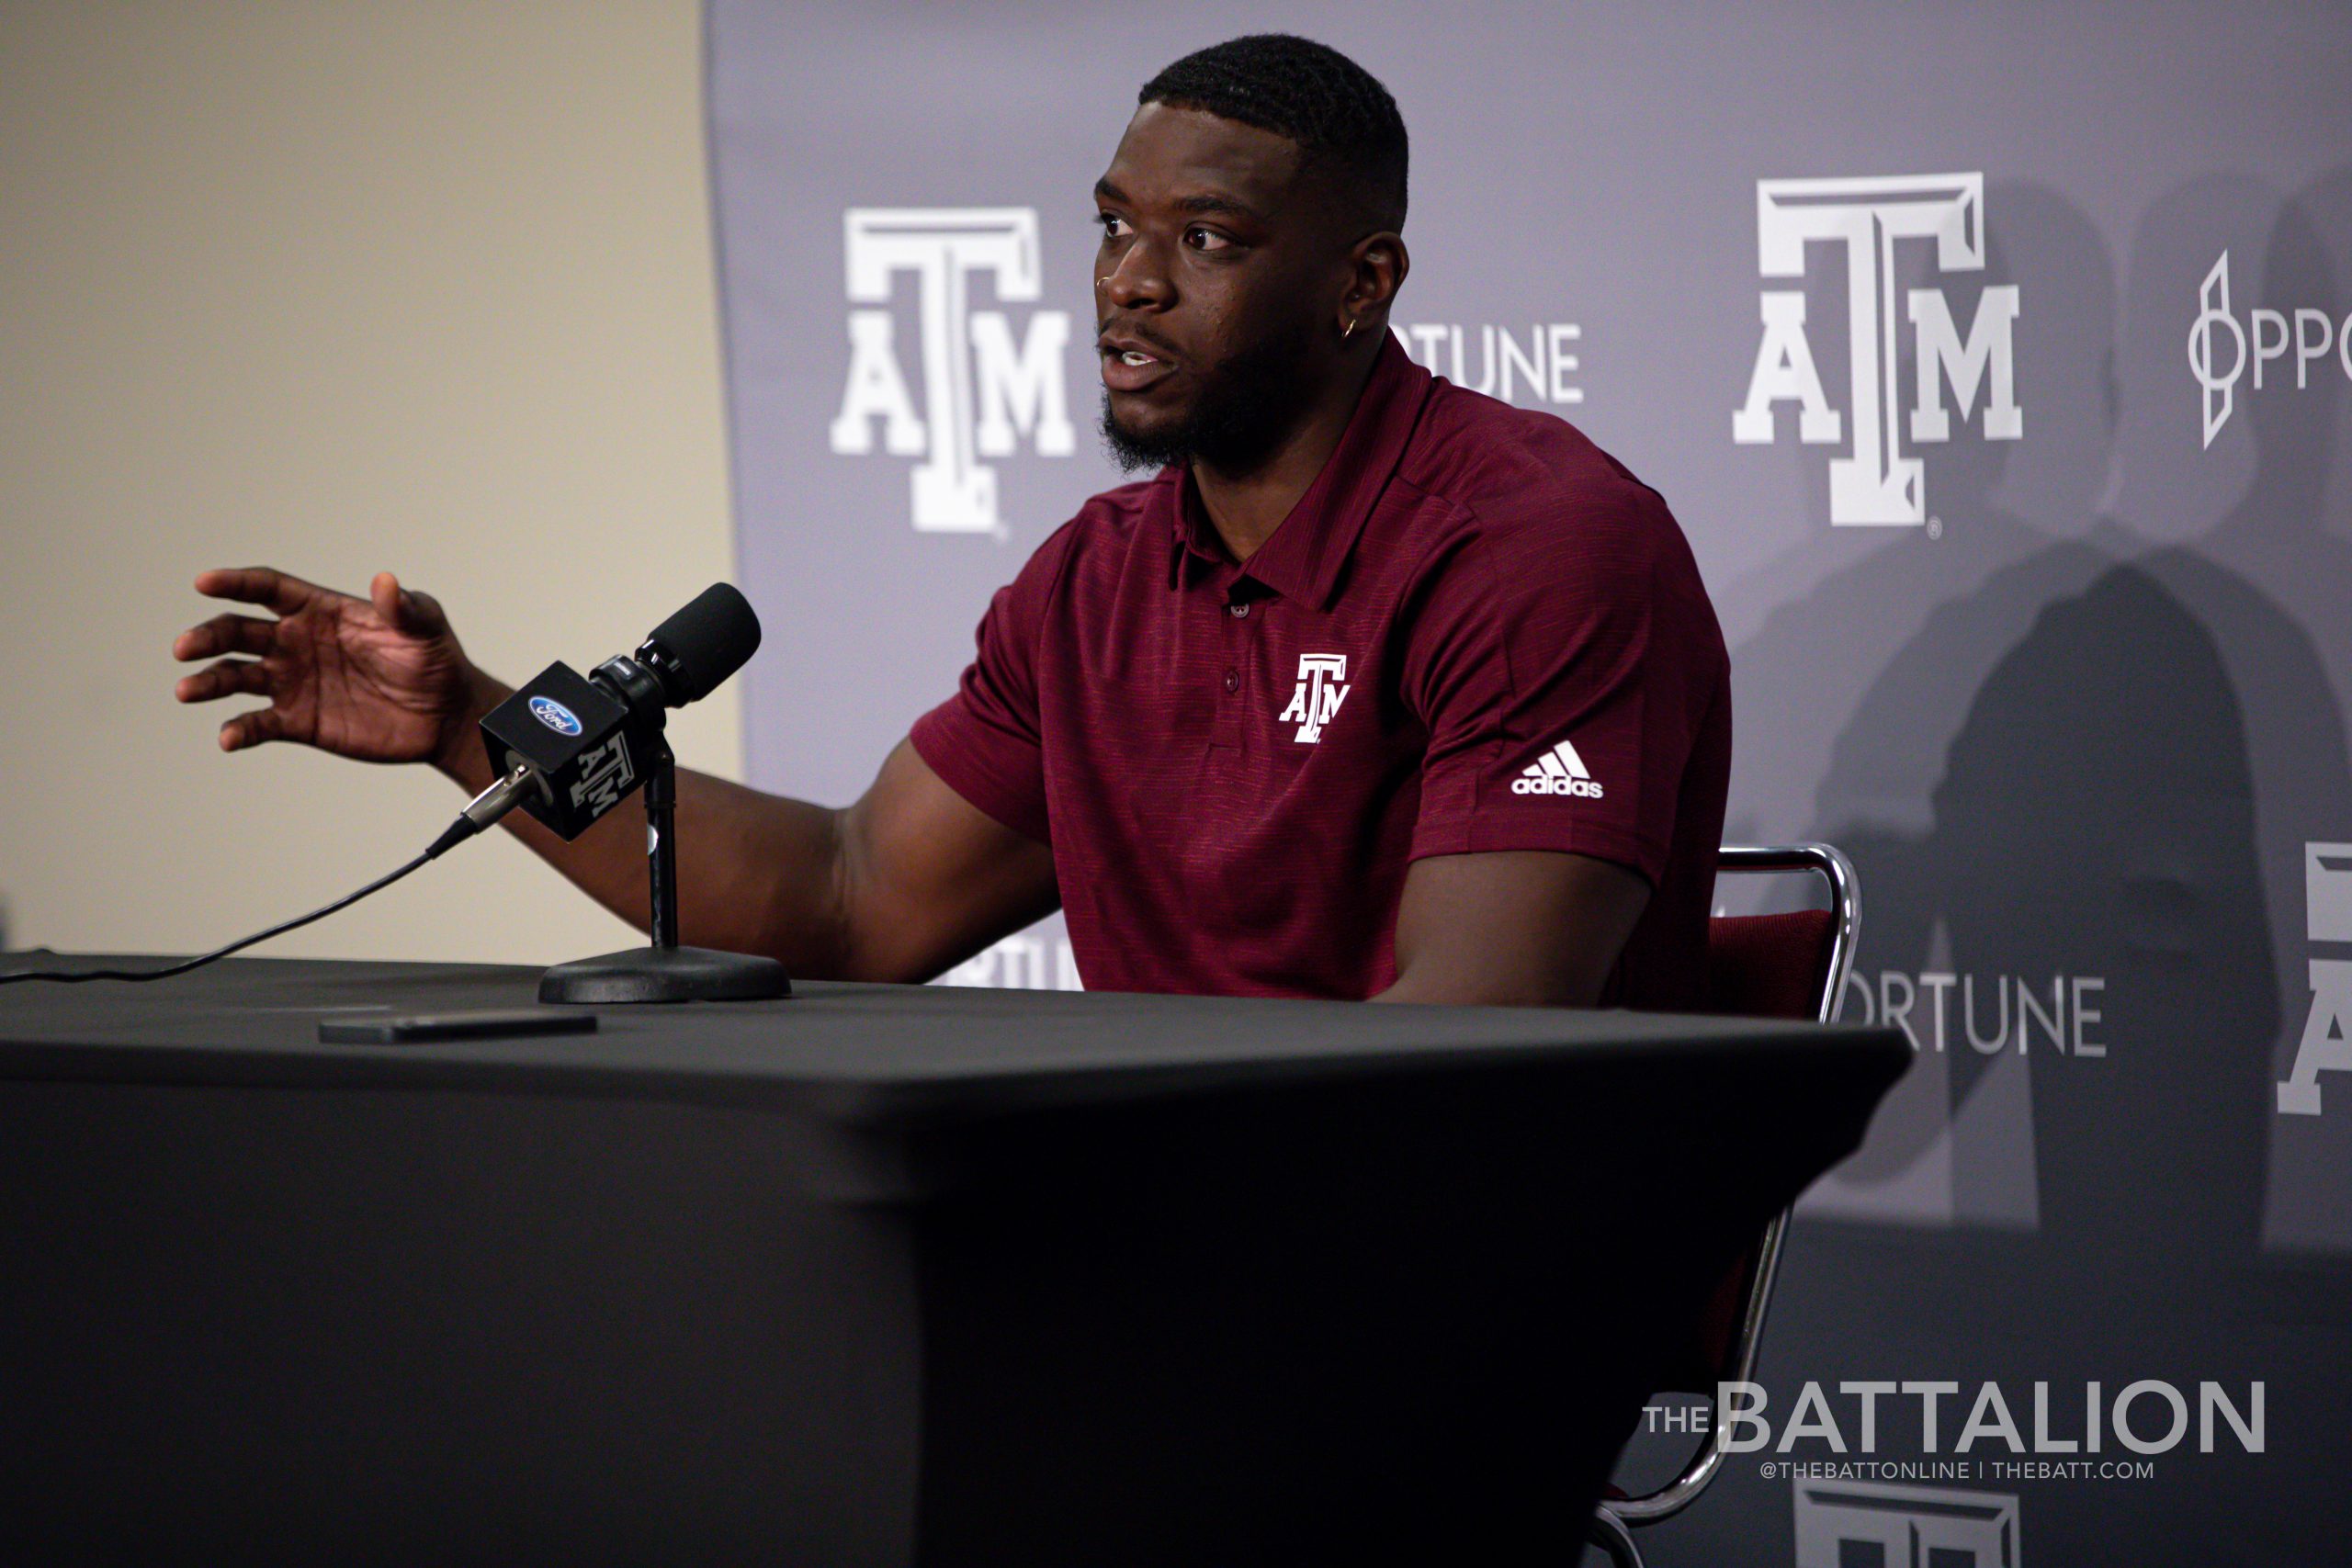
(909,880)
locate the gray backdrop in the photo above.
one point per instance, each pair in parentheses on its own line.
(1997,361)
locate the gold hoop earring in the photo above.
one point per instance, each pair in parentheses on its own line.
(1101,281)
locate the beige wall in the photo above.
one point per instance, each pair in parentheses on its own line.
(338,288)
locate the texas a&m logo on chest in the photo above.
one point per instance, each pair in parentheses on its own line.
(1322,687)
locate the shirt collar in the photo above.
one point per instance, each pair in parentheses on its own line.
(1302,559)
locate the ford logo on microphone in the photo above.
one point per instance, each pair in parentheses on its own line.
(555,716)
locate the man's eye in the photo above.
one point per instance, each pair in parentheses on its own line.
(1202,239)
(1112,225)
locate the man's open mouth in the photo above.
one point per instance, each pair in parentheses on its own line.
(1128,368)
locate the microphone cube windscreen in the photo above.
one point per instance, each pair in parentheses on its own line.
(575,736)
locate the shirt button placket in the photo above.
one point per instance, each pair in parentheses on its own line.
(1237,644)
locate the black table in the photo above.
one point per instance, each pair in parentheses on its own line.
(876,1275)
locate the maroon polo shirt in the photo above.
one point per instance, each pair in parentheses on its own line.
(1475,631)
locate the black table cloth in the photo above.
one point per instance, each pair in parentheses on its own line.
(874,1275)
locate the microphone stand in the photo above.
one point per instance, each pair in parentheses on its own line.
(665,972)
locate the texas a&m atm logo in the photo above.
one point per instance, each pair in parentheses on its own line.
(1845,1522)
(1322,687)
(2327,1044)
(1881,481)
(982,388)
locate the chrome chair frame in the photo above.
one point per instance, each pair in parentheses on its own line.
(1610,1526)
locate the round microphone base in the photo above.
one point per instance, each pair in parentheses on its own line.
(666,975)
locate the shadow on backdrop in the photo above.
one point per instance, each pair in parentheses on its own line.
(1849,698)
(2273,582)
(2097,759)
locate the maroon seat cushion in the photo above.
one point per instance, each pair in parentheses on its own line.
(1768,965)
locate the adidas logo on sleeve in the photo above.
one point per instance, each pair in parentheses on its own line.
(1558,772)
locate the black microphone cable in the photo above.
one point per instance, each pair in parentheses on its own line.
(480,813)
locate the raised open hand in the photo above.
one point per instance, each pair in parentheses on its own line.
(379,678)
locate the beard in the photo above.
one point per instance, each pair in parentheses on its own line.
(1244,406)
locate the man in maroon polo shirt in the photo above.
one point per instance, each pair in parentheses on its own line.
(1377,688)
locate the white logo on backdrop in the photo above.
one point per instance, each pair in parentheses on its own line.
(2265,337)
(1906,1525)
(982,390)
(2327,1029)
(1880,482)
(1542,372)
(1321,690)
(1937,1008)
(1027,961)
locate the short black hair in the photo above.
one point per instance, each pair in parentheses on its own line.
(1308,92)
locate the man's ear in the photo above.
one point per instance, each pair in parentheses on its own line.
(1376,269)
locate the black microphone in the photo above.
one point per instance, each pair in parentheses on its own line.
(695,652)
(568,748)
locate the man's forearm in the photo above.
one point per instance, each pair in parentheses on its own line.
(756,873)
